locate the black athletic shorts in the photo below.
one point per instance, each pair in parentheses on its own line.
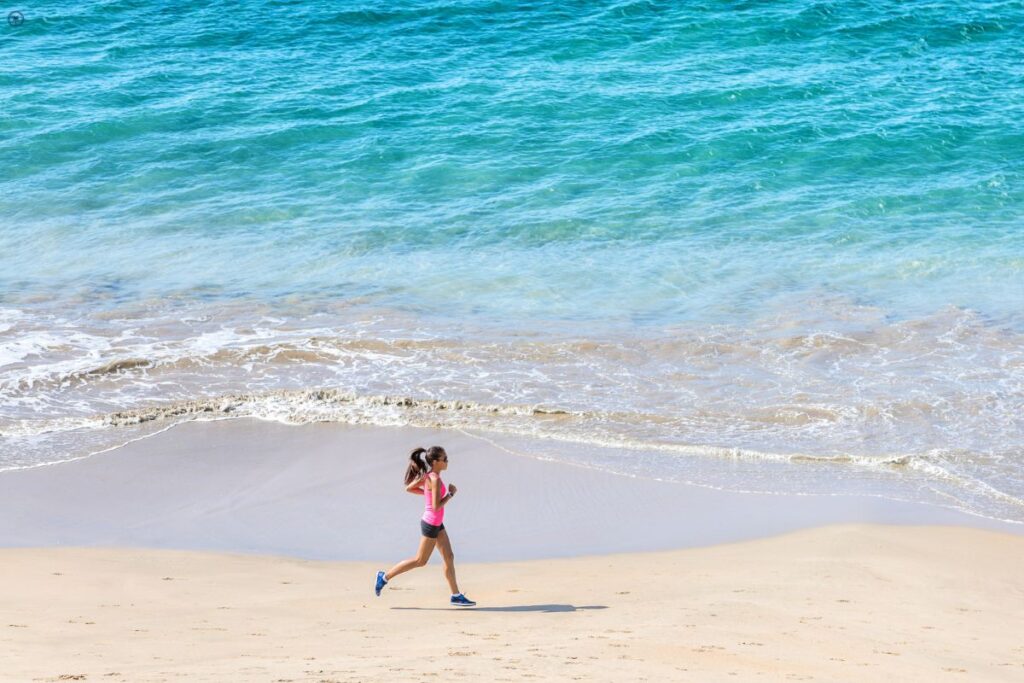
(429,530)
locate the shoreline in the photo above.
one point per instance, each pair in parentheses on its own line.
(245,551)
(333,492)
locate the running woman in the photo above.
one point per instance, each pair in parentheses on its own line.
(423,477)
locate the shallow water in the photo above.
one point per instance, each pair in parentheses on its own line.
(757,247)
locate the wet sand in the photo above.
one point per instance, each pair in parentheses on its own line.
(245,551)
(333,492)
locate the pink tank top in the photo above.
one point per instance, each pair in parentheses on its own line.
(430,515)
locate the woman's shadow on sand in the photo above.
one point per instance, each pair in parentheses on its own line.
(512,608)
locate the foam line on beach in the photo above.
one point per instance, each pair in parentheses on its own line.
(541,424)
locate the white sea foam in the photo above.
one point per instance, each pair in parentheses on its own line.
(932,401)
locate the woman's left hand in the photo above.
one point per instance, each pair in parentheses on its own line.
(452,489)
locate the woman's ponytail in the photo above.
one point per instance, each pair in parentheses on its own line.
(416,466)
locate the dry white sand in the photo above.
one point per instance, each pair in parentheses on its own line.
(845,602)
(842,603)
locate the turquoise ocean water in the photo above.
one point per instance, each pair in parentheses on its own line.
(758,246)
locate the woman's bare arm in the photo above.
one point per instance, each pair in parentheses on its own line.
(435,493)
(416,487)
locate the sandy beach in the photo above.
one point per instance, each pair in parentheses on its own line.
(842,603)
(245,551)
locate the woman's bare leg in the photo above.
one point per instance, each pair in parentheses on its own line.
(444,544)
(426,547)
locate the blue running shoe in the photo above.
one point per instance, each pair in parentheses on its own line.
(381,582)
(461,600)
